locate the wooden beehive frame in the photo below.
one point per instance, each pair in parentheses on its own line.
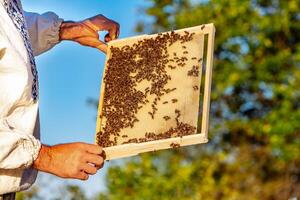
(131,149)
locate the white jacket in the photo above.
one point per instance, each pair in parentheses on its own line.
(19,124)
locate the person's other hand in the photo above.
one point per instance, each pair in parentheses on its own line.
(86,32)
(73,160)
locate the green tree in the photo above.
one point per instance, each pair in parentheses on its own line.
(28,195)
(47,188)
(253,151)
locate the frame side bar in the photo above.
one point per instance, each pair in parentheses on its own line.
(101,96)
(207,86)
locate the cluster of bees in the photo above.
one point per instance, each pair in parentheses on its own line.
(128,66)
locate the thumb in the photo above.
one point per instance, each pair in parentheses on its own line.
(92,42)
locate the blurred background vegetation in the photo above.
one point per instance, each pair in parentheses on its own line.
(254,148)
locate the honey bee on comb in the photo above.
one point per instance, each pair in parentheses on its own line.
(119,84)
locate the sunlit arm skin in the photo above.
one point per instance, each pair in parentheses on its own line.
(86,32)
(73,160)
(78,160)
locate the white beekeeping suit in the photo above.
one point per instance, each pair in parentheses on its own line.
(22,36)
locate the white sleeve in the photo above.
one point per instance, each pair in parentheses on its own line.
(43,30)
(17,150)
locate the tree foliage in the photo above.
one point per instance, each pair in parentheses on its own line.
(253,151)
(66,192)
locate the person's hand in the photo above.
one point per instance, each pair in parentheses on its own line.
(86,32)
(73,160)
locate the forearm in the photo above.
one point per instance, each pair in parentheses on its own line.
(43,161)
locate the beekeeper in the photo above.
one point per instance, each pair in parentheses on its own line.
(22,36)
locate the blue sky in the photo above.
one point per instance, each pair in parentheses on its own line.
(69,74)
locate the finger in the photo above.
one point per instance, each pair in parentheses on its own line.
(99,166)
(103,154)
(103,157)
(94,159)
(107,38)
(118,32)
(82,176)
(103,48)
(89,169)
(92,42)
(93,149)
(113,30)
(111,26)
